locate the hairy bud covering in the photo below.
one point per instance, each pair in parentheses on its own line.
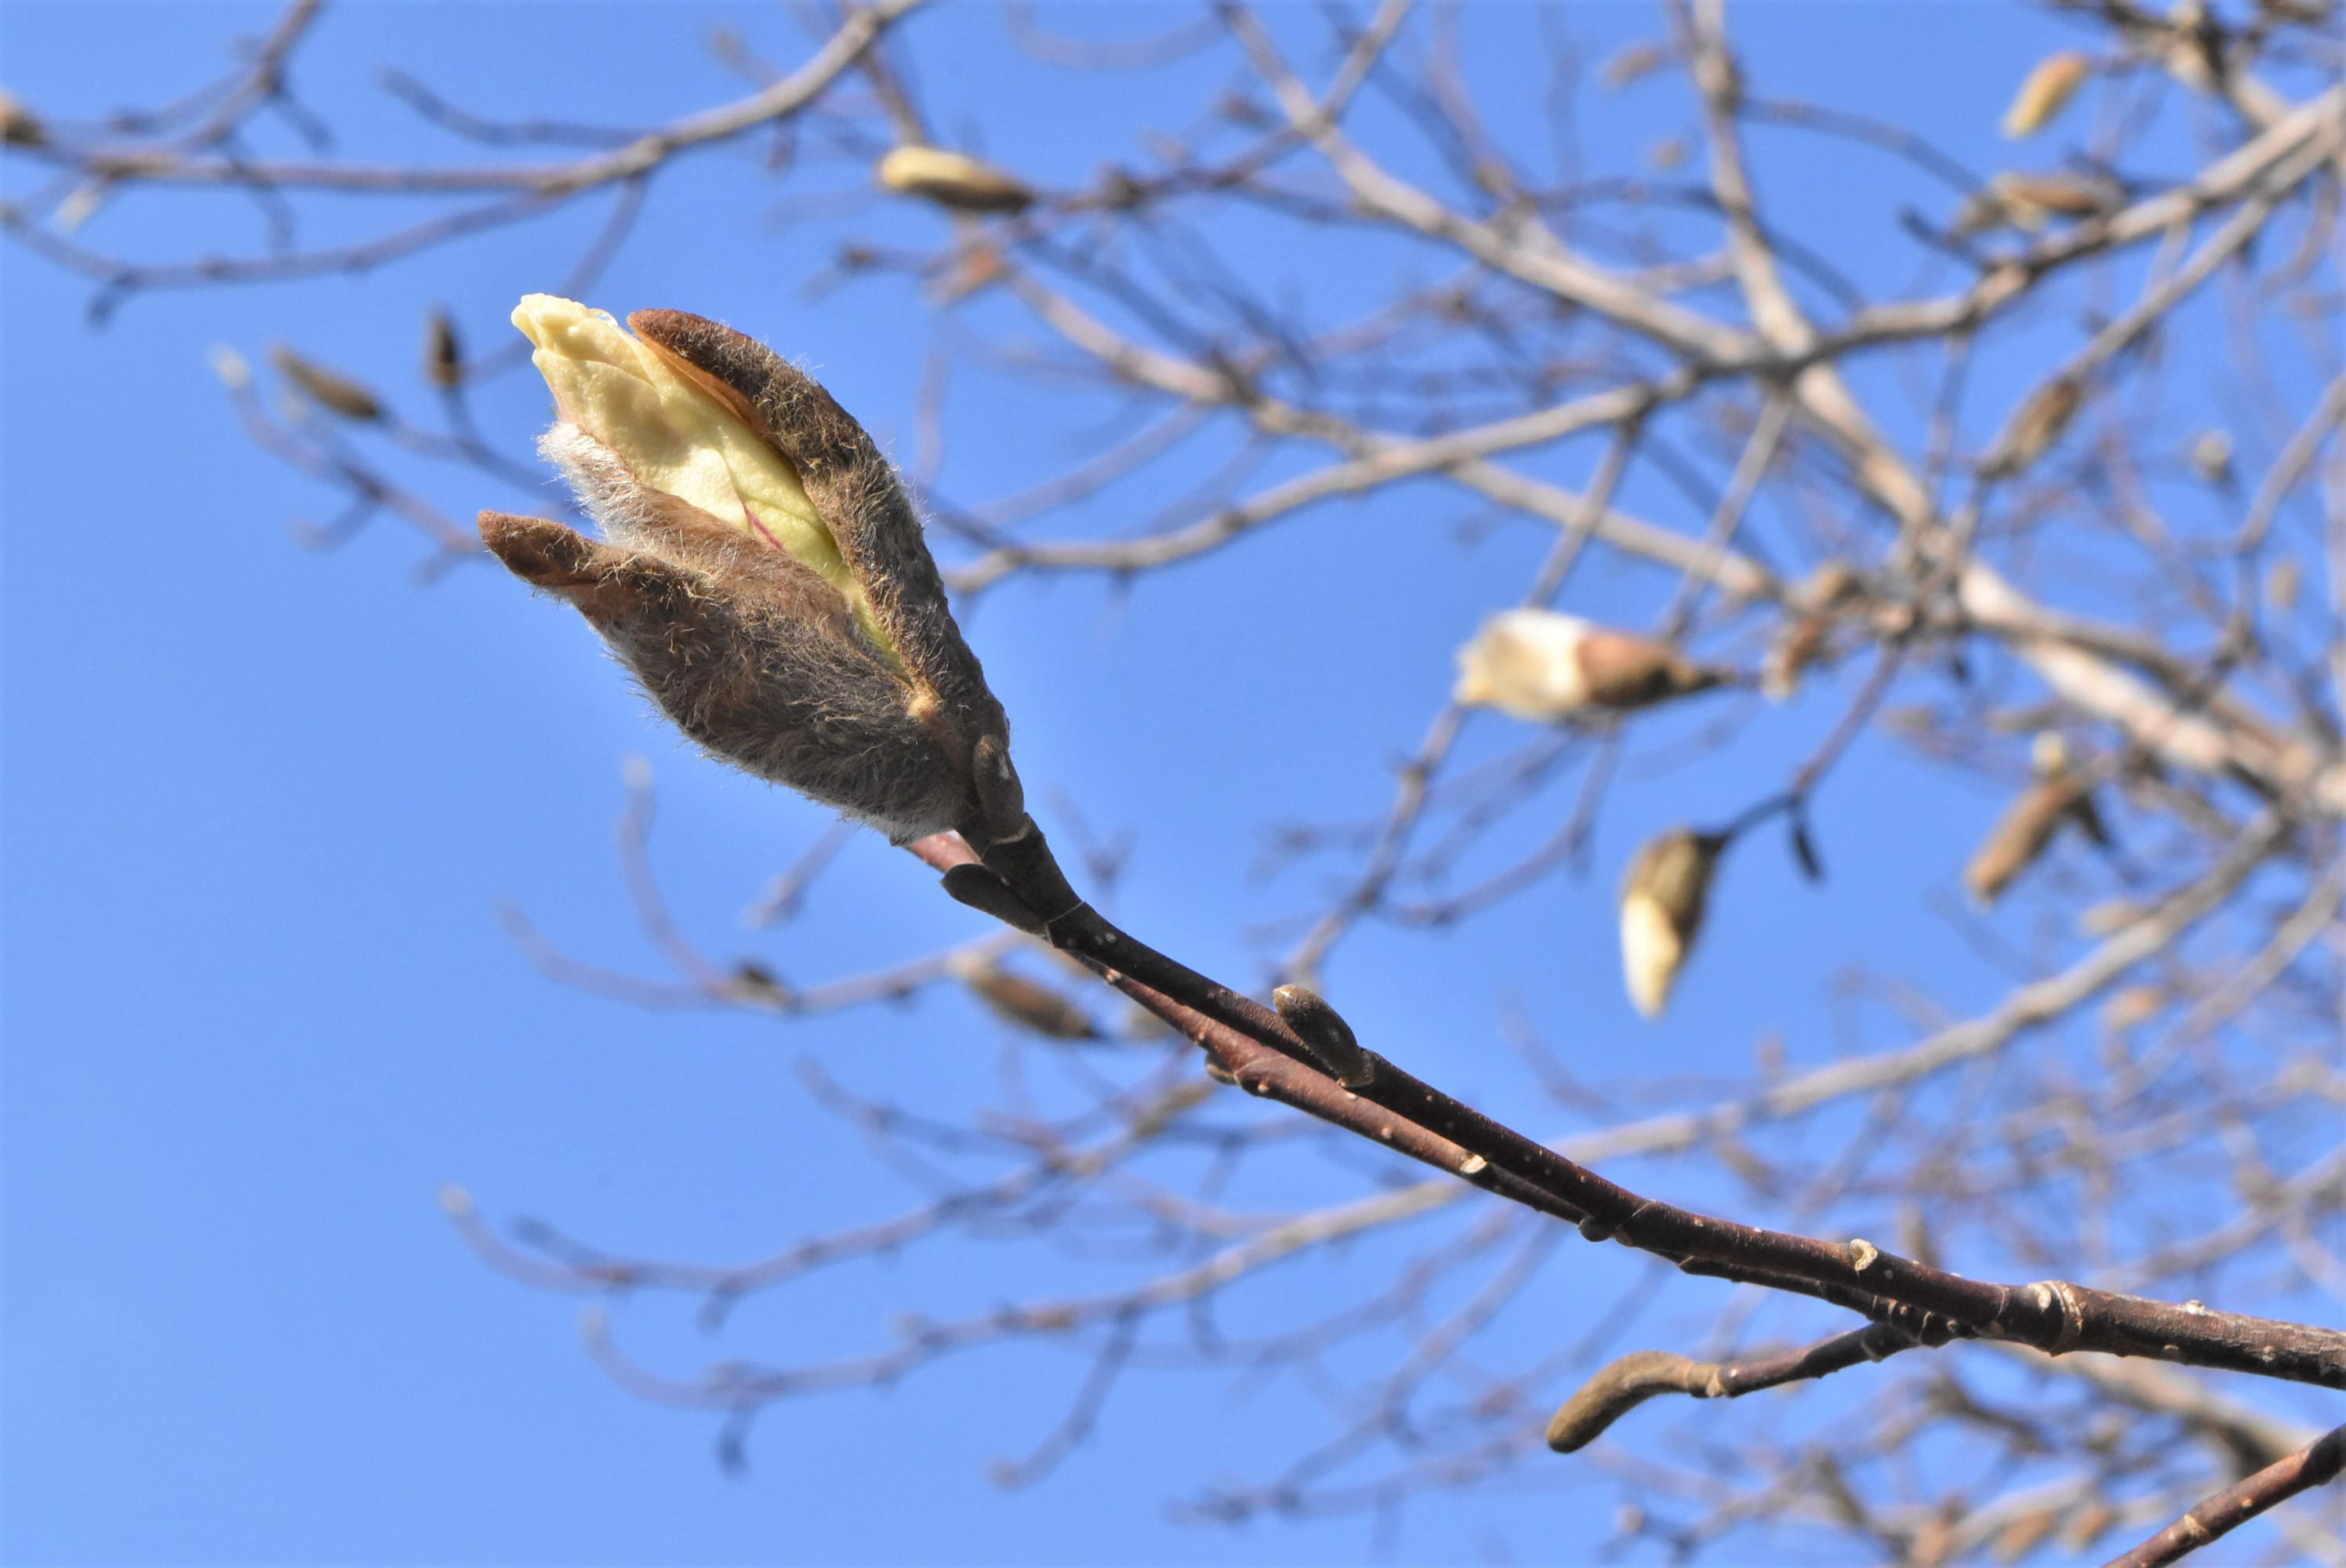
(762,572)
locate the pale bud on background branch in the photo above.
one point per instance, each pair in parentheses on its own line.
(20,126)
(2059,796)
(329,389)
(2046,92)
(1028,1003)
(954,179)
(1663,897)
(444,352)
(1541,666)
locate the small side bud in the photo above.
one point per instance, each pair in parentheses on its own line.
(1663,898)
(1801,641)
(2211,457)
(1001,799)
(2027,200)
(233,369)
(954,179)
(986,893)
(1793,649)
(330,389)
(753,981)
(455,1202)
(1326,1035)
(2284,584)
(1634,63)
(444,352)
(20,126)
(2133,1006)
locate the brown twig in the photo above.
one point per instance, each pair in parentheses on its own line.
(2316,1464)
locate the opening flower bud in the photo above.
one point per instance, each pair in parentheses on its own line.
(673,433)
(765,575)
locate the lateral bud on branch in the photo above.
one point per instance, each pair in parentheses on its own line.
(1326,1035)
(983,891)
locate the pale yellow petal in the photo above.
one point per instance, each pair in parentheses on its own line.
(1651,952)
(672,435)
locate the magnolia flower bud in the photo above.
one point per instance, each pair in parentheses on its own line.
(2028,826)
(2046,92)
(1023,1001)
(2284,584)
(1633,63)
(1540,666)
(2132,1005)
(2040,422)
(1662,901)
(1789,654)
(1801,640)
(328,389)
(2028,200)
(2211,457)
(953,179)
(443,353)
(20,126)
(234,371)
(765,576)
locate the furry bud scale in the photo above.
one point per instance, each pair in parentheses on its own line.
(762,572)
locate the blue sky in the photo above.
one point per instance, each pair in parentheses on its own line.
(262,804)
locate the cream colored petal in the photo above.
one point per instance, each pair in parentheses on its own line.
(1651,952)
(671,434)
(1525,663)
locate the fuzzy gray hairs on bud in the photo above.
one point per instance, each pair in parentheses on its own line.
(764,573)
